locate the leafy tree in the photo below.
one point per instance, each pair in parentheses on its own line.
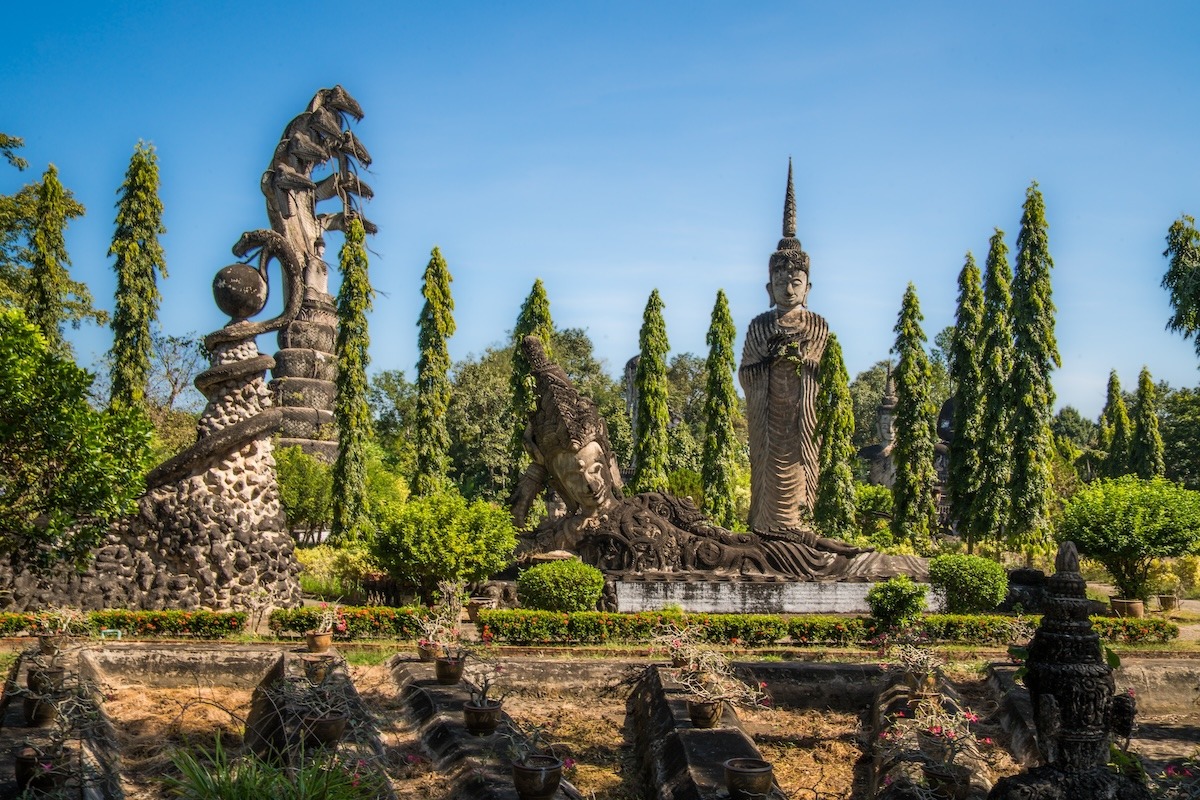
(915,516)
(393,402)
(1035,353)
(305,492)
(480,421)
(50,296)
(866,391)
(66,470)
(966,374)
(993,501)
(651,439)
(1180,427)
(1182,280)
(1080,431)
(9,145)
(1116,431)
(968,584)
(534,320)
(1127,522)
(434,328)
(687,378)
(139,260)
(351,411)
(833,511)
(1146,449)
(719,458)
(441,537)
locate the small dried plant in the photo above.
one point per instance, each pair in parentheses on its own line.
(708,677)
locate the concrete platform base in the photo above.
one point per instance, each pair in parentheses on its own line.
(651,593)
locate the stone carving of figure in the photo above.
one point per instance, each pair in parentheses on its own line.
(882,468)
(778,373)
(651,532)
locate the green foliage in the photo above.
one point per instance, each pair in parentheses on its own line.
(686,483)
(139,259)
(914,515)
(1180,428)
(1127,630)
(440,537)
(873,515)
(1146,449)
(200,624)
(335,572)
(866,391)
(566,585)
(896,603)
(650,440)
(683,452)
(968,584)
(204,775)
(833,511)
(1035,355)
(480,421)
(362,622)
(719,455)
(992,506)
(1115,430)
(350,409)
(66,470)
(966,373)
(434,328)
(393,402)
(1182,280)
(534,320)
(1125,523)
(1081,432)
(305,492)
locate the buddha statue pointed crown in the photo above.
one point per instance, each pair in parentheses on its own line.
(788,253)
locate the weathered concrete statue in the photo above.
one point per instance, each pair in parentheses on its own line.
(651,532)
(778,373)
(305,366)
(881,465)
(1075,712)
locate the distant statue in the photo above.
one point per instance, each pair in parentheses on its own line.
(651,532)
(779,376)
(881,467)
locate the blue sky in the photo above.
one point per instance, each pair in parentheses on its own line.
(613,148)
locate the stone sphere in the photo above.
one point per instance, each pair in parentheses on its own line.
(240,291)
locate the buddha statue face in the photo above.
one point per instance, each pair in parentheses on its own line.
(789,286)
(584,478)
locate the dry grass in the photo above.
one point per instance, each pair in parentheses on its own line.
(814,752)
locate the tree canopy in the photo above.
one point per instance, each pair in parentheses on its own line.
(434,329)
(915,515)
(1182,280)
(651,440)
(719,457)
(834,509)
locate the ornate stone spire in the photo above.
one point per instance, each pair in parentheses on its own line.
(789,251)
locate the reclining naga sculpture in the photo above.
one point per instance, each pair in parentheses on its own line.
(653,531)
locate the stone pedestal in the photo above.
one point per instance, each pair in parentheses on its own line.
(735,595)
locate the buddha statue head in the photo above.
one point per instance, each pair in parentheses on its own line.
(789,283)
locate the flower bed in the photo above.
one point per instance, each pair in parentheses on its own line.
(362,622)
(200,624)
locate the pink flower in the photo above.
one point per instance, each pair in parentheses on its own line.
(568,763)
(899,713)
(986,740)
(971,717)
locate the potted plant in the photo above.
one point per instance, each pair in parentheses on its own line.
(482,712)
(53,627)
(748,778)
(449,664)
(678,640)
(710,684)
(37,770)
(329,620)
(536,770)
(321,711)
(1165,586)
(919,668)
(439,629)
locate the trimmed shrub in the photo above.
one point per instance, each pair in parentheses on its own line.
(896,603)
(201,624)
(968,584)
(362,622)
(566,585)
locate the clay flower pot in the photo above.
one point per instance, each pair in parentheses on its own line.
(537,777)
(38,713)
(323,730)
(1128,608)
(51,644)
(705,713)
(482,719)
(318,641)
(43,680)
(426,652)
(449,671)
(476,604)
(33,771)
(747,778)
(948,780)
(317,666)
(1167,602)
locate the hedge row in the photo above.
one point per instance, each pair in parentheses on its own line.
(521,627)
(362,622)
(201,624)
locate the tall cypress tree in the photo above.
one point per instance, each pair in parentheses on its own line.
(966,374)
(1146,452)
(717,473)
(992,505)
(1035,352)
(434,328)
(650,440)
(52,297)
(534,320)
(139,260)
(1116,431)
(351,411)
(834,509)
(915,514)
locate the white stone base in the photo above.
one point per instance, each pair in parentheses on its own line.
(750,597)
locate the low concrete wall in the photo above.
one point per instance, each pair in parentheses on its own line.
(749,597)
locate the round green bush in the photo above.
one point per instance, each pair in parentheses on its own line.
(897,602)
(567,585)
(968,584)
